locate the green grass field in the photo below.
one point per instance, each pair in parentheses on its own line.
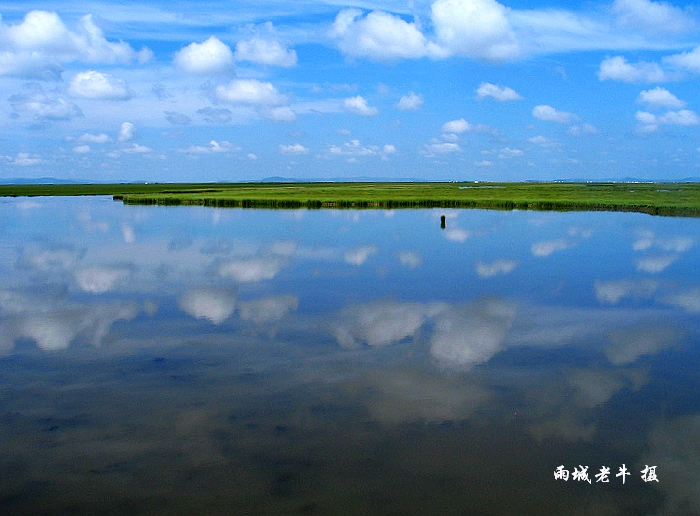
(675,199)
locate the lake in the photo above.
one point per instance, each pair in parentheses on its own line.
(184,360)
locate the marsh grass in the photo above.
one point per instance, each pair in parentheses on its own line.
(677,199)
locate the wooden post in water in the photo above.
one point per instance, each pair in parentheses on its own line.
(442,222)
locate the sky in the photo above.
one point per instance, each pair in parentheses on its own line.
(445,90)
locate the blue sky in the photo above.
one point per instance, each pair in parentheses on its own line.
(449,89)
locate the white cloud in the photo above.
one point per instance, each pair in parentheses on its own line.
(582,129)
(214,147)
(507,152)
(42,40)
(488,270)
(81,149)
(381,323)
(98,280)
(380,36)
(24,159)
(475,28)
(549,114)
(688,300)
(411,101)
(176,118)
(688,60)
(296,148)
(96,85)
(126,132)
(500,93)
(618,69)
(358,106)
(471,335)
(354,149)
(611,292)
(249,91)
(653,17)
(94,138)
(265,51)
(651,122)
(43,107)
(542,141)
(410,259)
(660,97)
(457,126)
(135,148)
(457,234)
(655,264)
(548,247)
(252,270)
(269,309)
(483,163)
(211,57)
(628,345)
(215,305)
(359,255)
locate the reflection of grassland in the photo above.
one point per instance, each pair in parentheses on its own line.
(653,198)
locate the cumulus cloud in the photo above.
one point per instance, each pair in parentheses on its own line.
(467,336)
(296,148)
(475,28)
(267,310)
(98,280)
(431,149)
(215,116)
(688,300)
(249,91)
(96,85)
(618,69)
(81,149)
(94,138)
(43,107)
(214,147)
(36,46)
(686,60)
(410,259)
(265,51)
(410,101)
(380,36)
(655,264)
(542,249)
(660,97)
(359,255)
(628,345)
(500,93)
(649,122)
(488,270)
(126,132)
(251,270)
(381,323)
(175,118)
(354,149)
(55,326)
(215,305)
(611,292)
(211,57)
(24,159)
(358,106)
(456,126)
(549,114)
(653,17)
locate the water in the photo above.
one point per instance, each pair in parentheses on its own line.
(187,361)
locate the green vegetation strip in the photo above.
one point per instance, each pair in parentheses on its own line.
(676,199)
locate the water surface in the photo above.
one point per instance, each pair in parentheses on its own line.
(197,360)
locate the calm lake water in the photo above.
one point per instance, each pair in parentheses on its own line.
(193,360)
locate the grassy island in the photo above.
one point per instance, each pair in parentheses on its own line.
(675,199)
